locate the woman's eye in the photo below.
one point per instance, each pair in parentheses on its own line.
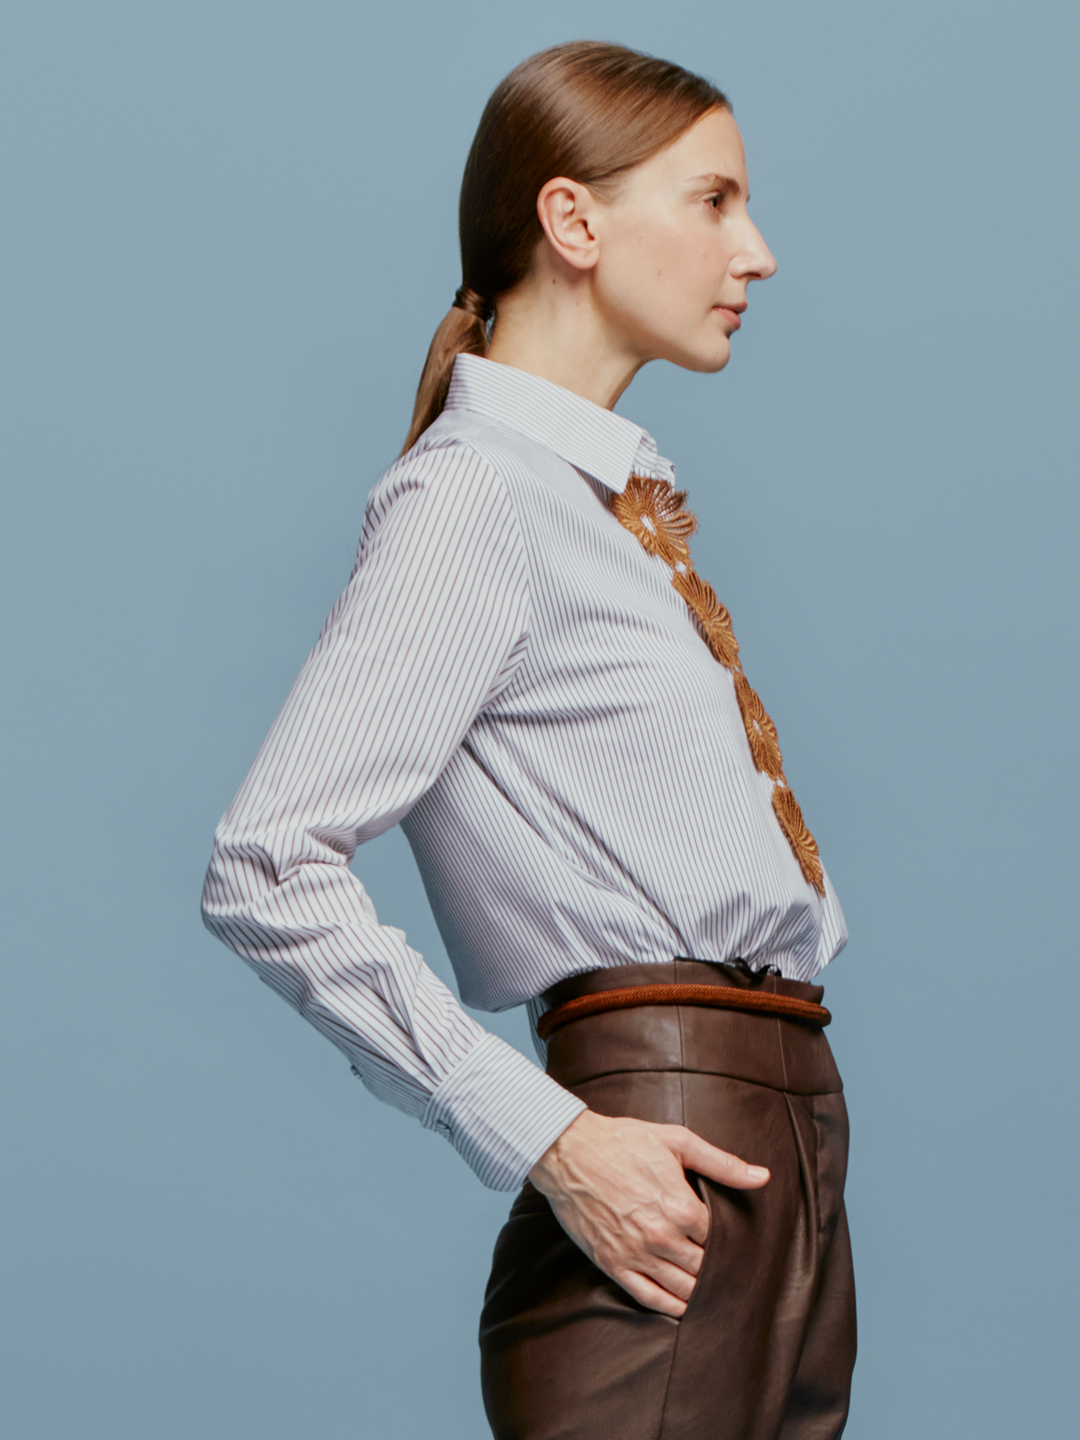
(716,201)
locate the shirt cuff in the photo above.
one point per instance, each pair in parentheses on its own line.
(500,1112)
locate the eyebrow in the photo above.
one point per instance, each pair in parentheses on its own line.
(724,183)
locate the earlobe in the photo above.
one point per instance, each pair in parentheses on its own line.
(565,210)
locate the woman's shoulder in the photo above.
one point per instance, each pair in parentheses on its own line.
(449,455)
(449,482)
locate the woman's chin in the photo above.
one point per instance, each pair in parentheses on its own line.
(708,359)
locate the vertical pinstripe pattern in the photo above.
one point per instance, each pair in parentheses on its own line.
(510,676)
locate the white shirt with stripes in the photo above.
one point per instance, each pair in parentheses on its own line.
(513,678)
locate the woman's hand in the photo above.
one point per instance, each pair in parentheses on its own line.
(619,1190)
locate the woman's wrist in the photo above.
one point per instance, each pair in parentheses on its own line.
(549,1171)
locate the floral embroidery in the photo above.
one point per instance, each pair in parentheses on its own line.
(802,843)
(760,730)
(653,512)
(656,514)
(713,617)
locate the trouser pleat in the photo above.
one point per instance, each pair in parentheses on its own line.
(766,1346)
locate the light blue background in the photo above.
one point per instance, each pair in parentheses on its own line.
(229,231)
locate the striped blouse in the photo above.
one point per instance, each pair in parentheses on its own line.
(510,676)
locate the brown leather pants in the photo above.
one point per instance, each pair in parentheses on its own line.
(766,1347)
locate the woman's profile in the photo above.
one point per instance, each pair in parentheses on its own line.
(527,672)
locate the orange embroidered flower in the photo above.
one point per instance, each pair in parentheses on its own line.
(655,513)
(760,730)
(803,845)
(713,617)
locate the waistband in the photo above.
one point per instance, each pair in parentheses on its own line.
(772,1050)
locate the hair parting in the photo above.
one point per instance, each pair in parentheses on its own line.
(586,110)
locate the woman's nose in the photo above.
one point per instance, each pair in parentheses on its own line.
(756,261)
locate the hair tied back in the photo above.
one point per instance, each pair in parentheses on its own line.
(588,110)
(474,304)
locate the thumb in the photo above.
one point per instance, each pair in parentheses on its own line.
(714,1164)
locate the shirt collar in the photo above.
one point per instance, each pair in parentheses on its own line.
(605,445)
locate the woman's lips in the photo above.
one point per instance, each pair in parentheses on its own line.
(731,316)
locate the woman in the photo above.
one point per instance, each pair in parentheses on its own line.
(528,674)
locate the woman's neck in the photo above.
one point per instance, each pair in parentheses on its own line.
(551,325)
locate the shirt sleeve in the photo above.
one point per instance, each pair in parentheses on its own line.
(431,627)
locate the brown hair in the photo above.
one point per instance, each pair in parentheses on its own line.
(586,110)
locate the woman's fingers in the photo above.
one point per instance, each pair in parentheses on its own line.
(671,1278)
(690,1216)
(661,1248)
(697,1154)
(619,1189)
(646,1292)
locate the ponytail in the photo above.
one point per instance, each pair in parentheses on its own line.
(464,331)
(586,110)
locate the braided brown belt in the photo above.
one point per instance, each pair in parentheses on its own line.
(722,997)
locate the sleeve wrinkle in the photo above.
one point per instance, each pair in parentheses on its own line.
(431,627)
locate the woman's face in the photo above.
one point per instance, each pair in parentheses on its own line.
(677,249)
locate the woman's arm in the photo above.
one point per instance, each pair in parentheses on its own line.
(432,625)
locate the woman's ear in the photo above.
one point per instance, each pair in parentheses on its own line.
(567,212)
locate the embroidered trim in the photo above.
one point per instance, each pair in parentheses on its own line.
(760,730)
(714,619)
(656,515)
(801,841)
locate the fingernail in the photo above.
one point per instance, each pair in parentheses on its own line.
(758,1172)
